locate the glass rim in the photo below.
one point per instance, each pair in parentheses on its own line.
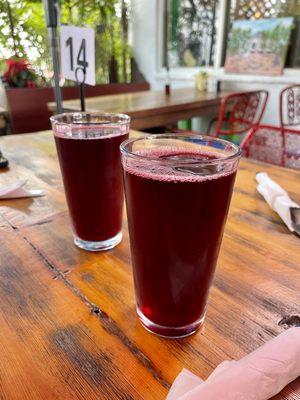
(230,158)
(122,119)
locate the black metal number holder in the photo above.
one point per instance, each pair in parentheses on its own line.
(81,82)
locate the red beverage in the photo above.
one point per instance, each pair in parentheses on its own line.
(91,169)
(176,216)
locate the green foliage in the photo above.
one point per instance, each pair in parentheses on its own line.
(238,39)
(275,40)
(18,73)
(23,32)
(111,27)
(288,8)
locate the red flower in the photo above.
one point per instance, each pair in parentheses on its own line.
(19,73)
(31,84)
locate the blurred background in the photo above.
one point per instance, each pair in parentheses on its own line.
(138,42)
(23,34)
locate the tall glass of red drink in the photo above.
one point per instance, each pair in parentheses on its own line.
(88,152)
(178,189)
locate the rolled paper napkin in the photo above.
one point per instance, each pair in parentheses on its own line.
(277,198)
(258,376)
(18,190)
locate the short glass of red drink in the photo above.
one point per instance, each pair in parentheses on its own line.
(88,152)
(178,190)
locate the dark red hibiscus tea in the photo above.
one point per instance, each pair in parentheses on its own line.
(178,192)
(89,157)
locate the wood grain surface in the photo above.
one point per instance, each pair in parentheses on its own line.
(150,109)
(68,324)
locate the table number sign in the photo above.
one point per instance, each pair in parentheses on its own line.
(78,54)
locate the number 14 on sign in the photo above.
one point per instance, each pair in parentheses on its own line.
(78,54)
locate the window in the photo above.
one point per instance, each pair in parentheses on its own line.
(191,32)
(192,26)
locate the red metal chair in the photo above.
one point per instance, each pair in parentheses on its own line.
(239,112)
(264,143)
(273,145)
(289,106)
(291,148)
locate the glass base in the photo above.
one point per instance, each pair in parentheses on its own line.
(98,246)
(170,332)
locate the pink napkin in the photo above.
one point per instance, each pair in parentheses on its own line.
(258,376)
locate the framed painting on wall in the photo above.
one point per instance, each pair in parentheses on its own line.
(258,46)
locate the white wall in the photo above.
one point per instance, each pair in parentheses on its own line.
(144,38)
(147,47)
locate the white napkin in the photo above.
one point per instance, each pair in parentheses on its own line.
(18,190)
(258,376)
(276,197)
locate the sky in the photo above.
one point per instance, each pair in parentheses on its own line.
(262,24)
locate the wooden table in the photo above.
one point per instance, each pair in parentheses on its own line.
(68,324)
(150,109)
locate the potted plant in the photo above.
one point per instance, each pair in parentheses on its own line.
(25,92)
(19,74)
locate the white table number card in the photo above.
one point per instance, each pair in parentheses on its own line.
(78,54)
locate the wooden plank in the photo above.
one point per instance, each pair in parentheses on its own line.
(163,119)
(53,343)
(256,285)
(4,223)
(147,103)
(32,157)
(70,328)
(150,109)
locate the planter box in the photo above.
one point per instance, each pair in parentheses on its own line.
(28,106)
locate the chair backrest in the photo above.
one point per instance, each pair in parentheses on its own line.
(291,148)
(289,106)
(264,143)
(274,145)
(239,112)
